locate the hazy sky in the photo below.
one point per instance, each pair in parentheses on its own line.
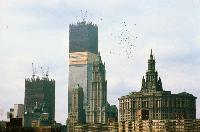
(37,31)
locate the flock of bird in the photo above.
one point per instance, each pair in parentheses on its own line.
(123,37)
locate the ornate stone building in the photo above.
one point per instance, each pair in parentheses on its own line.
(101,116)
(87,70)
(97,109)
(154,103)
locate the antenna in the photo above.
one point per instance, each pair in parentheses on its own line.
(33,70)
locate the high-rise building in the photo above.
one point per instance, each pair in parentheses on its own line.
(97,111)
(18,111)
(77,114)
(40,93)
(153,103)
(83,47)
(80,72)
(87,70)
(83,37)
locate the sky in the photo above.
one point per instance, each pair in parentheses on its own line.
(38,31)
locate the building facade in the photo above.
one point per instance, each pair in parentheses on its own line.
(77,114)
(87,70)
(39,92)
(18,110)
(11,112)
(83,47)
(80,72)
(178,125)
(83,37)
(153,103)
(97,111)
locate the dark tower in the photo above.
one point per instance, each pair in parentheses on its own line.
(83,47)
(39,92)
(83,37)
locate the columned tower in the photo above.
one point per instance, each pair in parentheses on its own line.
(97,109)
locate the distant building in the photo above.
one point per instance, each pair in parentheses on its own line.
(14,125)
(112,113)
(96,128)
(2,126)
(40,123)
(153,103)
(77,114)
(18,111)
(80,72)
(100,116)
(97,111)
(83,47)
(11,112)
(87,70)
(40,93)
(178,125)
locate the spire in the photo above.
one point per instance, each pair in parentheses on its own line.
(152,82)
(151,55)
(151,63)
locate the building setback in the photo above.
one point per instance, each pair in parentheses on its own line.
(153,103)
(40,93)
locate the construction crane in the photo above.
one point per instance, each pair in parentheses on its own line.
(34,70)
(47,72)
(42,72)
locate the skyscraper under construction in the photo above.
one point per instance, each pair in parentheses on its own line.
(39,95)
(83,37)
(83,47)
